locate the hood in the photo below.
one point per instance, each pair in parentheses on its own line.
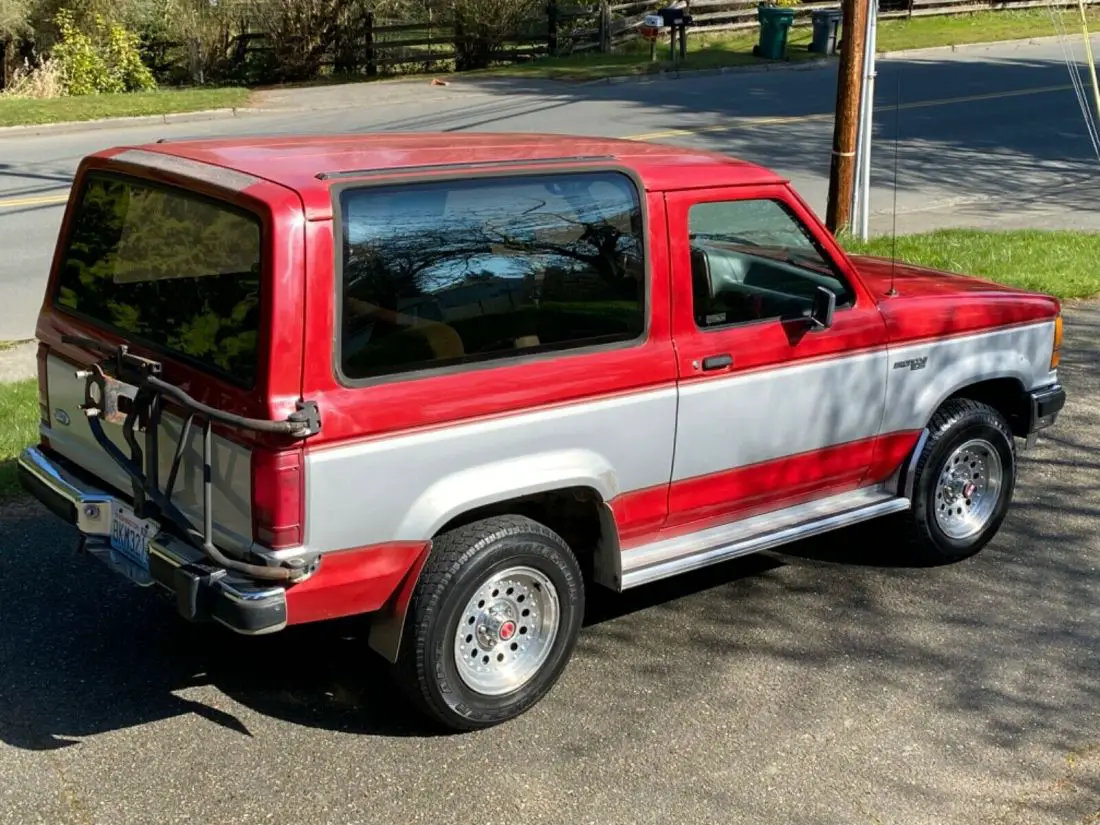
(929,303)
(912,281)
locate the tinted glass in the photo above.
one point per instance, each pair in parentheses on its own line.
(464,271)
(754,260)
(177,271)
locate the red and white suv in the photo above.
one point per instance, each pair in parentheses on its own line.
(456,380)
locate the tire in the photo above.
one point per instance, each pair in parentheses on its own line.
(955,513)
(492,578)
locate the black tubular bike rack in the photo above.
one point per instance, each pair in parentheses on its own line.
(126,389)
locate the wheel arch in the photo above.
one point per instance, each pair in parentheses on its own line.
(568,492)
(1005,393)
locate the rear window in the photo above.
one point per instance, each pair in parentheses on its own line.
(457,272)
(172,269)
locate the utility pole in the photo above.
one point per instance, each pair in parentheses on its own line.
(846,121)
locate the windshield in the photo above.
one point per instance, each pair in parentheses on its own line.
(175,270)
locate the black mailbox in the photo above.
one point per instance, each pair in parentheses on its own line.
(675,17)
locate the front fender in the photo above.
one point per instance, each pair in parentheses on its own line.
(922,376)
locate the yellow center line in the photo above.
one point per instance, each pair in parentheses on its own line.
(752,122)
(35,200)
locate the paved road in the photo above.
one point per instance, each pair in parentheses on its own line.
(983,134)
(825,686)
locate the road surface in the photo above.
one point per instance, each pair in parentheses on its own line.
(983,135)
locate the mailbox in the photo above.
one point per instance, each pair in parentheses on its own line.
(651,26)
(672,16)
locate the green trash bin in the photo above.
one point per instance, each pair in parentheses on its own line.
(775,21)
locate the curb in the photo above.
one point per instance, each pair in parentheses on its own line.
(967,47)
(135,120)
(677,74)
(19,363)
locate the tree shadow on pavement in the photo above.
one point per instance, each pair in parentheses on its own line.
(1001,139)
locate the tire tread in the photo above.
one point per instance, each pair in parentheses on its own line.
(918,537)
(450,553)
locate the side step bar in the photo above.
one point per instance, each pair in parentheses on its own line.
(672,556)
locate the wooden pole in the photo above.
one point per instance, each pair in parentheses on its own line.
(846,121)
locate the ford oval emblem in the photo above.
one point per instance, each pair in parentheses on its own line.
(62,417)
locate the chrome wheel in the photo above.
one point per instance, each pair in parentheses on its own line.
(506,631)
(968,489)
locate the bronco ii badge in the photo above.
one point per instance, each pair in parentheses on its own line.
(912,363)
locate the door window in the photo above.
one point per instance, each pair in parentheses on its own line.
(753,260)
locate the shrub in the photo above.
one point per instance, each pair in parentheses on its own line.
(107,60)
(39,82)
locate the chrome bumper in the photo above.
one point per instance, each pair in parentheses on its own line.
(203,591)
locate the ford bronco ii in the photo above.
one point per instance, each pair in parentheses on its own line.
(455,381)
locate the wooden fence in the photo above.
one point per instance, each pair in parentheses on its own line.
(362,44)
(604,25)
(619,21)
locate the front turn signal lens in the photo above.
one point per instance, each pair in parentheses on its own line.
(1056,353)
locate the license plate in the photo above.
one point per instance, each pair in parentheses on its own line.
(130,535)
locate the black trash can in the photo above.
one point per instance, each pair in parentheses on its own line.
(826,23)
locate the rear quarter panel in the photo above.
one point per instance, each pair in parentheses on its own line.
(396,460)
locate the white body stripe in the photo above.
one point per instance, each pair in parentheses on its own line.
(407,487)
(772,413)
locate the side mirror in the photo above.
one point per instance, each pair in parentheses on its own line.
(821,313)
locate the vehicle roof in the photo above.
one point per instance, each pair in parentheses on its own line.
(311,165)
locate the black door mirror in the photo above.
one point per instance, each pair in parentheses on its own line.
(821,313)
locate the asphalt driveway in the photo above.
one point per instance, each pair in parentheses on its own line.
(828,685)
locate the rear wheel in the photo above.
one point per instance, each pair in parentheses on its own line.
(492,623)
(964,479)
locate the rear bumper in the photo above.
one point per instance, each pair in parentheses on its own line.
(1043,407)
(203,591)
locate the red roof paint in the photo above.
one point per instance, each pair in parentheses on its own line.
(296,161)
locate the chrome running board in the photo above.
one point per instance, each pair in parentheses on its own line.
(672,556)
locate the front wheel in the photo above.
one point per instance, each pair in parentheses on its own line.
(493,622)
(964,479)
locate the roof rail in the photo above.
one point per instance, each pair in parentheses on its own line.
(471,164)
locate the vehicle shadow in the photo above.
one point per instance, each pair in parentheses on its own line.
(91,654)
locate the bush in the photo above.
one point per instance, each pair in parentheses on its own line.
(39,82)
(108,60)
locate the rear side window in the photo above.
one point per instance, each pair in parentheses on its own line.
(172,269)
(457,272)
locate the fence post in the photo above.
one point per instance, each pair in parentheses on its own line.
(3,63)
(605,26)
(552,28)
(372,62)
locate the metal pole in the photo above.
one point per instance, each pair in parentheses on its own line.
(868,120)
(857,199)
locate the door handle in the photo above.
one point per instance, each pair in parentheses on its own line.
(717,362)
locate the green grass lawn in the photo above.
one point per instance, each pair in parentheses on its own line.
(714,50)
(19,412)
(704,52)
(980,27)
(24,111)
(1059,263)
